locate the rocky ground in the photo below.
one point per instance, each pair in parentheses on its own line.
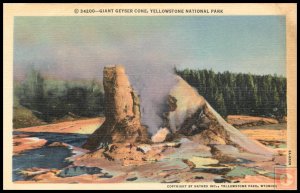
(243,120)
(24,143)
(274,136)
(181,160)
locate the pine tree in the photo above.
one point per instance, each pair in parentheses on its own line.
(231,93)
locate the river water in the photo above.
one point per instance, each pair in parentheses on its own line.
(46,157)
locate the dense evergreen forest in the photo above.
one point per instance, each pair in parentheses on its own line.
(54,99)
(228,93)
(238,93)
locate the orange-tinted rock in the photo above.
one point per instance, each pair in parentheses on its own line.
(122,154)
(161,135)
(122,112)
(22,144)
(243,120)
(58,144)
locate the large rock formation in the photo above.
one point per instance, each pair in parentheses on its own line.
(122,112)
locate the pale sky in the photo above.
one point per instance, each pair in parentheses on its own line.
(79,47)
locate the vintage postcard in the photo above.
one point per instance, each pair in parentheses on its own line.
(150,96)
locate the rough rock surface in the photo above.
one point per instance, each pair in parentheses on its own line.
(122,112)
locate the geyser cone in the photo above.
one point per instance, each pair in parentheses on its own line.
(122,112)
(192,116)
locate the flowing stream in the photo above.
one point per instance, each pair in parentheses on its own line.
(46,157)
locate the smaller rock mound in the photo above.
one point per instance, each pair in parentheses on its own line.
(124,153)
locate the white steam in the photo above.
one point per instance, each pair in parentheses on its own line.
(153,84)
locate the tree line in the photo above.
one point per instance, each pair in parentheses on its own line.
(238,93)
(53,99)
(229,93)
